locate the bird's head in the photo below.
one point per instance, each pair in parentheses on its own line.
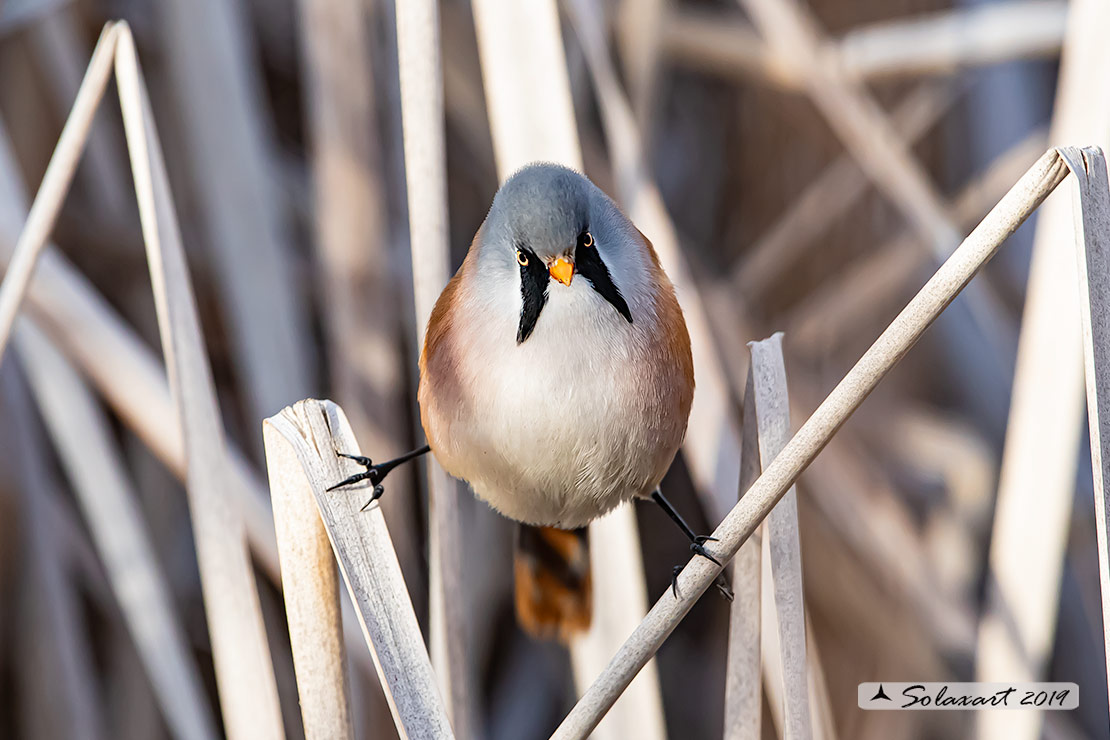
(550,229)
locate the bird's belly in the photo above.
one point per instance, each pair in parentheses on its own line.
(565,472)
(561,442)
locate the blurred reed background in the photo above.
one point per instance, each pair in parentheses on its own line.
(814,162)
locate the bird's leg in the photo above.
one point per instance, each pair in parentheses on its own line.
(697,542)
(376,473)
(697,545)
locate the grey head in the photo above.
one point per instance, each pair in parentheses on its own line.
(549,223)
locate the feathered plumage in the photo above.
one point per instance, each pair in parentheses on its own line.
(556,402)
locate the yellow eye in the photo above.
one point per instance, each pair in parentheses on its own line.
(587,240)
(521,258)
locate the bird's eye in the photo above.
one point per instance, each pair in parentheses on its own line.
(521,258)
(587,239)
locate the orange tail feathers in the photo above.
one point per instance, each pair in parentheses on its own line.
(553,588)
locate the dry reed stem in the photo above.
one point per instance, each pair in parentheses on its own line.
(244,673)
(127,373)
(712,448)
(725,44)
(933,444)
(890,347)
(776,675)
(422,120)
(772,409)
(1036,486)
(234,619)
(359,293)
(119,363)
(639,32)
(821,709)
(532,118)
(771,641)
(743,698)
(844,489)
(828,197)
(864,288)
(61,52)
(863,128)
(520,47)
(361,313)
(57,688)
(947,41)
(309,434)
(856,118)
(234,182)
(619,602)
(1093,257)
(13,201)
(310,586)
(95,468)
(55,182)
(77,549)
(935,43)
(866,513)
(463,92)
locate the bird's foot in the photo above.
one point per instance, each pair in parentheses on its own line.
(697,545)
(698,548)
(373,473)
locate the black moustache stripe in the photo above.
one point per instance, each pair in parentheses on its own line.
(533,292)
(587,262)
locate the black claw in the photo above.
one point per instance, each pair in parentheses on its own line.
(699,549)
(360,459)
(722,587)
(373,473)
(721,584)
(378,491)
(701,539)
(356,478)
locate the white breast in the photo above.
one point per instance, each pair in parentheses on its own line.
(563,427)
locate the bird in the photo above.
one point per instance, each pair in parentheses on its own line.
(556,379)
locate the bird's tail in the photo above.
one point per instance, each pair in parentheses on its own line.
(552,570)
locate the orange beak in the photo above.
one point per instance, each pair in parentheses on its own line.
(562,270)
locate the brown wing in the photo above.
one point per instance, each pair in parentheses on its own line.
(439,358)
(672,326)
